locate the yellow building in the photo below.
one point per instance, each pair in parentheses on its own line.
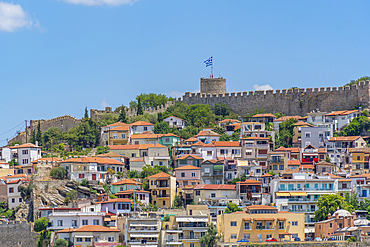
(162,187)
(119,135)
(297,133)
(129,151)
(360,160)
(260,222)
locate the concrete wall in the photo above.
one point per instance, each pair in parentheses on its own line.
(290,102)
(17,234)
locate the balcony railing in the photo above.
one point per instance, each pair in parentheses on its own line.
(163,195)
(218,173)
(193,225)
(261,155)
(189,237)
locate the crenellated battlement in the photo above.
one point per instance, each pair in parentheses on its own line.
(289,101)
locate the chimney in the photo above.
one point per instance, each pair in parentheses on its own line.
(37,143)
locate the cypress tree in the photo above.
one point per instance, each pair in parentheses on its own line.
(39,134)
(122,115)
(86,113)
(139,107)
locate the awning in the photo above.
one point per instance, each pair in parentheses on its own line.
(144,224)
(248,150)
(218,167)
(298,194)
(144,235)
(282,194)
(281,219)
(264,219)
(309,230)
(247,219)
(80,236)
(200,230)
(285,233)
(191,219)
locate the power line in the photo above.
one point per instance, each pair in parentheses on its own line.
(12,128)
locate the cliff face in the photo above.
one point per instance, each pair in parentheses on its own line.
(289,102)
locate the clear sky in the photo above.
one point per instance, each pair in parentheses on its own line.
(59,56)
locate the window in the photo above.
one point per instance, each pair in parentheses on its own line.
(161,163)
(294,223)
(167,139)
(60,222)
(24,151)
(247,236)
(223,151)
(191,245)
(13,200)
(133,155)
(81,175)
(232,223)
(183,174)
(145,154)
(268,236)
(96,222)
(224,193)
(274,167)
(87,239)
(213,194)
(74,222)
(308,135)
(193,174)
(11,190)
(209,153)
(235,151)
(207,170)
(281,167)
(164,203)
(330,225)
(20,200)
(25,161)
(197,192)
(78,239)
(85,222)
(246,226)
(233,236)
(358,157)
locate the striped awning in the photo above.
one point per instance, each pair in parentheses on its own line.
(298,194)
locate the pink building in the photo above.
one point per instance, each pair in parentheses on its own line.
(141,195)
(187,175)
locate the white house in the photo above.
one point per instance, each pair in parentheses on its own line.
(208,136)
(14,191)
(175,122)
(6,154)
(117,206)
(62,220)
(341,119)
(208,151)
(139,127)
(26,153)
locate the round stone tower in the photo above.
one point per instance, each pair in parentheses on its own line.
(213,85)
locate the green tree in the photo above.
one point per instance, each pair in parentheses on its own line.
(39,134)
(231,208)
(60,242)
(327,159)
(221,109)
(72,195)
(357,126)
(33,137)
(51,136)
(211,237)
(161,128)
(225,138)
(188,132)
(352,82)
(200,115)
(177,110)
(243,177)
(122,115)
(177,202)
(102,150)
(235,180)
(139,107)
(219,130)
(85,135)
(150,100)
(13,162)
(328,204)
(58,172)
(41,224)
(86,113)
(160,117)
(285,136)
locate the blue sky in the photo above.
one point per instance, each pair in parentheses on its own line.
(59,56)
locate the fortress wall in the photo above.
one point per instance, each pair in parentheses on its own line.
(64,123)
(291,101)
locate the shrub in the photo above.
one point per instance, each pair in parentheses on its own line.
(58,172)
(41,224)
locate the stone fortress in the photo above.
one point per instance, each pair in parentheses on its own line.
(288,101)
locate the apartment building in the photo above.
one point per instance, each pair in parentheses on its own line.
(74,219)
(187,175)
(142,230)
(212,172)
(207,136)
(162,187)
(249,191)
(188,159)
(315,136)
(258,223)
(277,162)
(337,147)
(359,160)
(214,193)
(140,127)
(119,135)
(26,153)
(255,148)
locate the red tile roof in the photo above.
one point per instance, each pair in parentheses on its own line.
(266,175)
(93,160)
(131,192)
(46,159)
(126,181)
(160,175)
(191,139)
(229,120)
(188,167)
(146,136)
(265,115)
(249,182)
(208,133)
(117,200)
(117,124)
(285,118)
(345,138)
(156,145)
(227,144)
(123,147)
(141,123)
(294,163)
(27,145)
(189,156)
(341,113)
(215,187)
(110,154)
(89,228)
(256,207)
(121,128)
(301,123)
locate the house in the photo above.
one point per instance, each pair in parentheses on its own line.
(162,187)
(228,149)
(263,118)
(322,167)
(137,164)
(191,140)
(230,168)
(225,122)
(90,235)
(337,148)
(119,135)
(26,153)
(208,151)
(188,159)
(315,136)
(175,122)
(143,230)
(113,155)
(186,230)
(359,159)
(207,136)
(232,128)
(155,154)
(278,161)
(129,151)
(141,195)
(340,119)
(24,169)
(73,219)
(212,172)
(14,191)
(145,138)
(6,154)
(285,118)
(297,133)
(125,184)
(117,206)
(249,191)
(105,130)
(169,140)
(293,153)
(257,129)
(255,148)
(294,164)
(140,127)
(258,223)
(187,175)
(214,193)
(91,168)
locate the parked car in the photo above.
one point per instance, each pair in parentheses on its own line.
(271,240)
(308,239)
(318,239)
(297,239)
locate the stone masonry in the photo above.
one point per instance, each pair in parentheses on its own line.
(17,234)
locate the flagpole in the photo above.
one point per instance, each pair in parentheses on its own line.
(212,68)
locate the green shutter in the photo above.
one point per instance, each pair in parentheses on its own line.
(218,167)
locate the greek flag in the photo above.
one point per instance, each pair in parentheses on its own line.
(208,62)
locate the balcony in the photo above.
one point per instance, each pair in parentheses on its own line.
(189,237)
(173,242)
(163,196)
(262,145)
(164,185)
(264,228)
(150,229)
(206,174)
(218,173)
(142,242)
(261,155)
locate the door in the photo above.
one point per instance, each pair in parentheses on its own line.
(94,177)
